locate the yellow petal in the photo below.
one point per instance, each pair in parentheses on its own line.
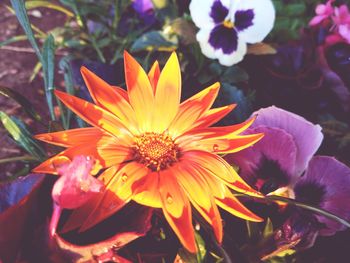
(118,191)
(107,151)
(220,169)
(200,195)
(168,93)
(191,109)
(95,115)
(213,116)
(140,92)
(177,209)
(146,191)
(226,200)
(109,99)
(153,75)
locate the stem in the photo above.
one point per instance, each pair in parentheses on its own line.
(274,198)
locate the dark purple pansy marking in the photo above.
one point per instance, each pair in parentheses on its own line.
(310,192)
(218,12)
(269,176)
(244,19)
(224,38)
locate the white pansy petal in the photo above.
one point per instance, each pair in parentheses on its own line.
(203,39)
(208,13)
(235,57)
(263,20)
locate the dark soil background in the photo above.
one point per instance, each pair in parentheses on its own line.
(17,62)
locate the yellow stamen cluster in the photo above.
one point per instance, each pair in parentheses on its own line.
(228,24)
(155,150)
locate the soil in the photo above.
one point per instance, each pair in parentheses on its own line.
(17,61)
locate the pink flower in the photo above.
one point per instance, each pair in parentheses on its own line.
(75,187)
(339,18)
(323,11)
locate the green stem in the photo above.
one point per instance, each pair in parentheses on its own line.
(274,198)
(18,158)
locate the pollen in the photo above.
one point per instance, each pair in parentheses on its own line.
(228,24)
(155,150)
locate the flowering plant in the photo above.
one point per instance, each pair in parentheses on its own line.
(175,131)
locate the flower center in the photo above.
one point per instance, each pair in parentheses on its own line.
(155,150)
(229,24)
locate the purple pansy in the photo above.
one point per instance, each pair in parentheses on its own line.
(145,10)
(283,162)
(227,26)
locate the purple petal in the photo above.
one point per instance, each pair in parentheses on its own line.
(218,12)
(307,136)
(269,164)
(142,6)
(224,38)
(330,180)
(244,19)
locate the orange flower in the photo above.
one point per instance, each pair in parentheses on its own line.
(154,150)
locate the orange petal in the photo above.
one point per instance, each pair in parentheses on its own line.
(106,150)
(71,137)
(224,131)
(200,195)
(109,99)
(146,191)
(140,92)
(153,75)
(95,115)
(119,191)
(223,145)
(168,93)
(79,215)
(226,200)
(213,116)
(122,92)
(177,209)
(191,109)
(220,169)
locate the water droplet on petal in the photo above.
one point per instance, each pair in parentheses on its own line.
(169,199)
(124,177)
(215,147)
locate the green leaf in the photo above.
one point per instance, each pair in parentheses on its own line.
(48,63)
(268,230)
(234,75)
(21,100)
(230,94)
(253,231)
(13,40)
(194,258)
(154,40)
(21,13)
(22,136)
(48,4)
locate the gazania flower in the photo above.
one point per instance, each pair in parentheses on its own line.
(227,26)
(154,150)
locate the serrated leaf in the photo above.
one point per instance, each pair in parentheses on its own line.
(22,136)
(154,40)
(21,100)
